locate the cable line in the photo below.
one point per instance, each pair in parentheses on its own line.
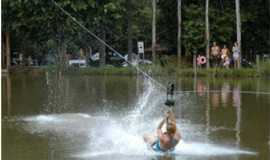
(107,45)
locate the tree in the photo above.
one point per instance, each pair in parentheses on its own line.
(34,24)
(238,26)
(154,7)
(179,20)
(7,50)
(129,28)
(7,26)
(207,36)
(193,30)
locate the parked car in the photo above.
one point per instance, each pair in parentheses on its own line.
(77,63)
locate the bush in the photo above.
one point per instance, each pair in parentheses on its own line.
(264,68)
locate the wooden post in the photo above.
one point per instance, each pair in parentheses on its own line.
(194,65)
(258,62)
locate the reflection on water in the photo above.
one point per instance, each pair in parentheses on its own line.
(225,93)
(54,116)
(236,97)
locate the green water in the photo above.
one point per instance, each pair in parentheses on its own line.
(46,116)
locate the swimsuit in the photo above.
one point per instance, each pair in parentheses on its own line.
(156,146)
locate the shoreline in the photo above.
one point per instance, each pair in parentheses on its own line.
(153,70)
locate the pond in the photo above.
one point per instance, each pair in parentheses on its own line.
(54,116)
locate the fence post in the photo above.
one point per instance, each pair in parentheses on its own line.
(258,62)
(194,65)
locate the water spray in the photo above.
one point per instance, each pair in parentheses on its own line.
(170,95)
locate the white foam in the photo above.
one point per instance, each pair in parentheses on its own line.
(124,136)
(118,140)
(205,149)
(144,99)
(84,115)
(108,135)
(42,118)
(55,117)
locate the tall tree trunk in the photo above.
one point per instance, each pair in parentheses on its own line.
(179,18)
(88,54)
(7,47)
(207,34)
(62,47)
(102,49)
(129,29)
(61,52)
(238,27)
(3,55)
(269,47)
(154,5)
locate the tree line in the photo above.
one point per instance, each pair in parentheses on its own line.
(184,27)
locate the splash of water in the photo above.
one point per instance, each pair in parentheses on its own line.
(144,100)
(113,135)
(124,136)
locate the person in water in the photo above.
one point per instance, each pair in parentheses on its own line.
(167,136)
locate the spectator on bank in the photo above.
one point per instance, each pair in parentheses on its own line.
(225,56)
(227,62)
(215,54)
(236,55)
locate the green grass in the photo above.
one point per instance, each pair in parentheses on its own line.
(220,72)
(171,68)
(102,71)
(264,69)
(170,71)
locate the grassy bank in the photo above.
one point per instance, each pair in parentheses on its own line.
(158,70)
(263,71)
(219,72)
(125,71)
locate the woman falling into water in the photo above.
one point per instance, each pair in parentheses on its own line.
(166,137)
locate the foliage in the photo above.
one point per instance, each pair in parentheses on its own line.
(255,26)
(193,30)
(264,68)
(37,27)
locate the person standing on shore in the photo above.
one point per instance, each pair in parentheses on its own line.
(215,53)
(236,55)
(225,56)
